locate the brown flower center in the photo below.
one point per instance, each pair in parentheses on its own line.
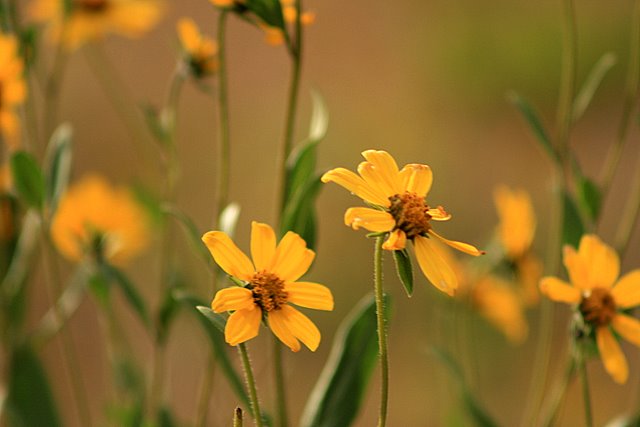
(92,6)
(411,214)
(268,291)
(598,308)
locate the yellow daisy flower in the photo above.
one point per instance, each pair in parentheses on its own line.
(201,52)
(96,219)
(89,20)
(270,285)
(600,297)
(13,89)
(400,209)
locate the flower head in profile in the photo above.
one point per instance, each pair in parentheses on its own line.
(399,208)
(99,220)
(601,298)
(200,52)
(12,89)
(270,287)
(77,22)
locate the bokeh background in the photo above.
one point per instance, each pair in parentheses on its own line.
(423,79)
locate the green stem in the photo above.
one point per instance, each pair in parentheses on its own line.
(237,418)
(567,85)
(586,395)
(205,391)
(281,395)
(157,380)
(558,395)
(224,150)
(382,332)
(251,384)
(52,91)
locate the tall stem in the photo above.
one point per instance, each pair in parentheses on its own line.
(586,395)
(382,332)
(557,396)
(251,384)
(224,151)
(281,393)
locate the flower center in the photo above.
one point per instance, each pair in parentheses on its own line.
(598,308)
(268,291)
(411,214)
(92,6)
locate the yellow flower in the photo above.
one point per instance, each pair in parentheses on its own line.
(12,89)
(96,219)
(600,297)
(517,220)
(89,20)
(400,209)
(271,284)
(498,302)
(201,52)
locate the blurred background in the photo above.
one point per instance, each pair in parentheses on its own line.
(425,80)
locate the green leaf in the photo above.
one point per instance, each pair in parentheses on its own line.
(477,413)
(129,290)
(28,179)
(535,124)
(404,269)
(156,124)
(572,225)
(30,401)
(150,203)
(58,161)
(591,84)
(216,319)
(299,215)
(193,234)
(20,265)
(269,11)
(339,392)
(590,197)
(165,418)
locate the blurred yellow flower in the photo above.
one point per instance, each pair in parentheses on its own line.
(96,219)
(13,89)
(201,52)
(601,298)
(89,20)
(499,303)
(271,284)
(399,208)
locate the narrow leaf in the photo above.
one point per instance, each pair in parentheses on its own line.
(58,160)
(129,290)
(193,234)
(572,225)
(593,81)
(28,179)
(534,122)
(23,254)
(590,197)
(299,214)
(270,11)
(404,269)
(216,319)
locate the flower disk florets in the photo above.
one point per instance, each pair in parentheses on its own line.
(598,308)
(268,291)
(411,214)
(92,6)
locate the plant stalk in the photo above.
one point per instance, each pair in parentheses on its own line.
(251,384)
(382,332)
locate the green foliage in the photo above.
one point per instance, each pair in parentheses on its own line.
(572,225)
(129,290)
(28,179)
(269,11)
(532,118)
(591,84)
(589,197)
(338,393)
(58,162)
(193,234)
(404,270)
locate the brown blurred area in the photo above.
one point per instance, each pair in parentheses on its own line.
(425,80)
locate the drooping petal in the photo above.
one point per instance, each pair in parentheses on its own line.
(396,242)
(416,178)
(292,258)
(263,245)
(370,219)
(559,290)
(232,299)
(227,255)
(355,184)
(626,292)
(601,261)
(434,266)
(612,357)
(576,268)
(243,325)
(309,295)
(462,247)
(278,324)
(386,167)
(628,327)
(300,326)
(439,214)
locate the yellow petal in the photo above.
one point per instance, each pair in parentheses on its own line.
(243,325)
(559,290)
(612,357)
(232,299)
(292,258)
(626,292)
(376,180)
(370,219)
(462,247)
(189,35)
(396,241)
(386,169)
(576,268)
(299,325)
(417,178)
(517,220)
(227,255)
(434,266)
(222,3)
(500,304)
(601,261)
(278,325)
(263,245)
(355,184)
(628,327)
(439,214)
(309,295)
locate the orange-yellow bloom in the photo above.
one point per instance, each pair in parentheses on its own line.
(600,297)
(400,209)
(201,52)
(97,219)
(89,20)
(271,283)
(12,89)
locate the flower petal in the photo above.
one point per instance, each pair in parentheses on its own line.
(243,325)
(189,35)
(263,245)
(462,247)
(434,266)
(517,220)
(396,241)
(628,327)
(377,181)
(355,184)
(601,261)
(559,290)
(309,295)
(290,325)
(227,255)
(232,299)
(386,169)
(417,178)
(371,219)
(439,214)
(292,258)
(612,357)
(626,292)
(575,267)
(278,325)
